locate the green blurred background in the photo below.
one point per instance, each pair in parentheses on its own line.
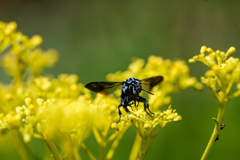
(95,38)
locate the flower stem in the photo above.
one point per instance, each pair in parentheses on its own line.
(82,145)
(19,145)
(141,155)
(53,148)
(135,148)
(97,135)
(116,142)
(148,145)
(145,149)
(216,130)
(76,154)
(102,151)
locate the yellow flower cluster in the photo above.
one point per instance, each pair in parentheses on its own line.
(61,109)
(145,124)
(176,78)
(224,72)
(46,108)
(22,53)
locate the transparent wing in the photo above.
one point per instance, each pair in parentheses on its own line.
(105,88)
(149,83)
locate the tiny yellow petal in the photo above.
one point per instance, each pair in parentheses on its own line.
(18,109)
(178,118)
(39,101)
(191,60)
(28,101)
(36,40)
(238,86)
(147,126)
(139,112)
(114,126)
(209,50)
(231,50)
(203,49)
(198,86)
(156,120)
(209,73)
(26,138)
(132,117)
(31,106)
(10,28)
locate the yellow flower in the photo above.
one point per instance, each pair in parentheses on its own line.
(23,53)
(61,109)
(223,73)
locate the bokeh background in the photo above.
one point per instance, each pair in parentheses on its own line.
(95,38)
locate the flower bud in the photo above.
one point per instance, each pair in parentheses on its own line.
(209,50)
(147,126)
(28,101)
(36,40)
(39,101)
(191,61)
(139,112)
(114,126)
(231,50)
(203,49)
(10,28)
(131,117)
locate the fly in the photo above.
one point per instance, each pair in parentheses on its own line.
(131,88)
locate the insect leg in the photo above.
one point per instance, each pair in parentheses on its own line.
(146,104)
(125,104)
(119,113)
(137,104)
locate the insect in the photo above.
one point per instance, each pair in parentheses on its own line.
(131,88)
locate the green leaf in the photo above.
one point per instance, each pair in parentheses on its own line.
(215,120)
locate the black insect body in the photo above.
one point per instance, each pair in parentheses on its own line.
(131,88)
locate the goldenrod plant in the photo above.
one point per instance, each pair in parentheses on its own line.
(223,74)
(176,78)
(62,113)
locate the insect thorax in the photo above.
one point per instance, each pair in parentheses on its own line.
(131,86)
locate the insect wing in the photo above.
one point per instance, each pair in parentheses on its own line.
(149,83)
(103,87)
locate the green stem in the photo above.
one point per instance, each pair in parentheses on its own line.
(66,155)
(53,148)
(116,142)
(82,145)
(102,151)
(216,130)
(141,155)
(19,145)
(38,136)
(101,141)
(151,138)
(76,154)
(135,148)
(147,147)
(157,131)
(97,135)
(112,137)
(234,95)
